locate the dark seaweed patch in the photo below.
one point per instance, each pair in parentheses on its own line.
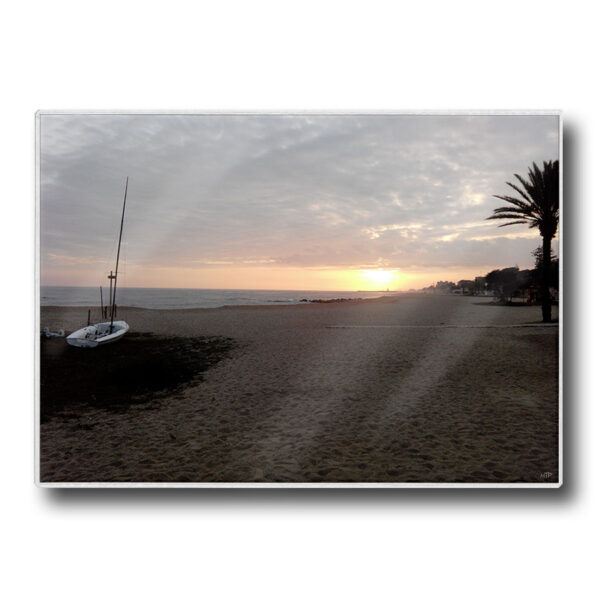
(137,369)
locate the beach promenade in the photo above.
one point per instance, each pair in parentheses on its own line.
(399,389)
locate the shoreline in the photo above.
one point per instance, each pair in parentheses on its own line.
(479,300)
(169,299)
(272,304)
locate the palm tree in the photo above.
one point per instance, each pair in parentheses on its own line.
(537,207)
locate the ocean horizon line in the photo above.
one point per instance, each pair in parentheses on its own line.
(232,289)
(173,298)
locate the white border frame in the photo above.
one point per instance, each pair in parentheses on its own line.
(322,485)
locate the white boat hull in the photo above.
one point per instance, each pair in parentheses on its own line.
(98,334)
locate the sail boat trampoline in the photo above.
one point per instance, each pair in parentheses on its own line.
(110,331)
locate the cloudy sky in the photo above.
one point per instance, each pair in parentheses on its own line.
(284,202)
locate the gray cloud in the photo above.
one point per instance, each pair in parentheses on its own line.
(409,192)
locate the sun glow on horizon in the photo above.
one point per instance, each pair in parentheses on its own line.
(264,277)
(378,279)
(260,277)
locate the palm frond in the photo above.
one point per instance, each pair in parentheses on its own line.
(537,204)
(514,223)
(520,191)
(509,209)
(515,202)
(507,216)
(529,188)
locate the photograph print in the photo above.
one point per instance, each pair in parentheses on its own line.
(298,299)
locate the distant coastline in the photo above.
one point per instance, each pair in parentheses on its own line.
(174,298)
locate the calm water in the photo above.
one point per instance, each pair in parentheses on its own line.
(187,298)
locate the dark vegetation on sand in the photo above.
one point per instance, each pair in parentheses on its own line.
(137,369)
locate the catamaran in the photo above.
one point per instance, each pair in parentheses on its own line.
(109,331)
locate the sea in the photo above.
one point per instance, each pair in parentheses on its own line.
(173,298)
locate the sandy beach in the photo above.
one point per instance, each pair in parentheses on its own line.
(410,388)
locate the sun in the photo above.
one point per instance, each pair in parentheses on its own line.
(378,278)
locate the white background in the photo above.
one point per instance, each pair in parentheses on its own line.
(304,55)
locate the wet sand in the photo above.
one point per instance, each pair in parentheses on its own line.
(399,389)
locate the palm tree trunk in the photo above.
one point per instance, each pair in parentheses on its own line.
(546,264)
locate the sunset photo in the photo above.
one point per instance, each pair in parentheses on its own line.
(299,299)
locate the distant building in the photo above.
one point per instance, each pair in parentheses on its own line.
(480,287)
(464,286)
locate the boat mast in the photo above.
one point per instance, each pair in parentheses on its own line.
(112,310)
(110,295)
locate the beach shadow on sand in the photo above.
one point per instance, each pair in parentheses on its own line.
(137,370)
